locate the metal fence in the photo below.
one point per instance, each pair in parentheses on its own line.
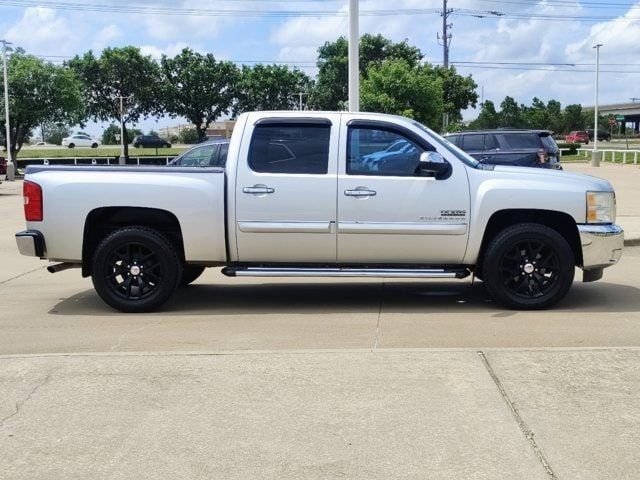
(625,156)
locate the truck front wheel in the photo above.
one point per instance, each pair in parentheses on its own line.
(135,269)
(528,266)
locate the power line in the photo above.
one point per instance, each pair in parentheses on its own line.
(173,11)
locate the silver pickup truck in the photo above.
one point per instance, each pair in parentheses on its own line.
(310,194)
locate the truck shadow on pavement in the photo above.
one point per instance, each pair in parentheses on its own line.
(353,297)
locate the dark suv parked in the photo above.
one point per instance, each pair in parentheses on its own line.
(522,148)
(603,135)
(150,141)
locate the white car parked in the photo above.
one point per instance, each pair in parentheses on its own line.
(80,140)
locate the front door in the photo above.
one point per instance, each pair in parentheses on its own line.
(286,191)
(390,212)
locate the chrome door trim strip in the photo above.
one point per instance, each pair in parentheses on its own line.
(285,227)
(394,228)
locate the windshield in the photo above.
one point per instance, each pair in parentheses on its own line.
(450,147)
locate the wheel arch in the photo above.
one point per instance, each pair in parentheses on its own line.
(561,222)
(102,221)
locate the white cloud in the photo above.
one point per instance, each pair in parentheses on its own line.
(41,28)
(106,36)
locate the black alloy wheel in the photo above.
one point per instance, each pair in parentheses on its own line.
(135,269)
(528,266)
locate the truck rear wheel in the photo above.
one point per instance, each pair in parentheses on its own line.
(190,273)
(528,266)
(135,269)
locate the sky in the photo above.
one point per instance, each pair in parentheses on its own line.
(521,48)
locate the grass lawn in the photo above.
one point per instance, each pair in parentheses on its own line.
(96,152)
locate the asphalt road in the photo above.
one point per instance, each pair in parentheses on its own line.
(249,378)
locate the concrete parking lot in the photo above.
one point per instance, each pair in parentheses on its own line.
(249,378)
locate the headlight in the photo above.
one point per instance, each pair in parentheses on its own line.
(601,207)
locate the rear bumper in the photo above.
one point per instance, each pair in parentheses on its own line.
(31,243)
(601,245)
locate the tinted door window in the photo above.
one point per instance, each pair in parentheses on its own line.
(522,140)
(480,143)
(382,152)
(455,139)
(290,148)
(198,157)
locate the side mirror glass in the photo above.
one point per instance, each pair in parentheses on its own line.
(433,163)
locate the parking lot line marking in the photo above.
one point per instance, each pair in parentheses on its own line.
(526,431)
(22,275)
(375,342)
(399,351)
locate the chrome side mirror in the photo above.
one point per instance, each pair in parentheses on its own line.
(433,163)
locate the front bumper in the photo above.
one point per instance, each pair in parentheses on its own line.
(601,245)
(31,243)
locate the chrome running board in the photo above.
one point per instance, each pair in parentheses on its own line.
(344,272)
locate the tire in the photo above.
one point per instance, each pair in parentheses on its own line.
(190,273)
(139,290)
(72,145)
(95,145)
(512,270)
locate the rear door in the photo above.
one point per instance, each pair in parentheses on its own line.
(481,146)
(286,190)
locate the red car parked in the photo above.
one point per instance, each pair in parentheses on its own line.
(578,136)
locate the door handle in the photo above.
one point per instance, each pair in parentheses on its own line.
(360,193)
(258,190)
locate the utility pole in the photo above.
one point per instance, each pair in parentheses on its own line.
(595,155)
(354,57)
(11,170)
(301,95)
(445,41)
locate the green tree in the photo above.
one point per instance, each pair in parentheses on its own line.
(198,87)
(535,116)
(488,117)
(331,88)
(397,87)
(459,92)
(555,116)
(270,87)
(55,133)
(510,113)
(188,136)
(39,92)
(119,72)
(573,118)
(111,134)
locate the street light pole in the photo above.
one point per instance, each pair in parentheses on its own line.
(354,57)
(595,155)
(11,171)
